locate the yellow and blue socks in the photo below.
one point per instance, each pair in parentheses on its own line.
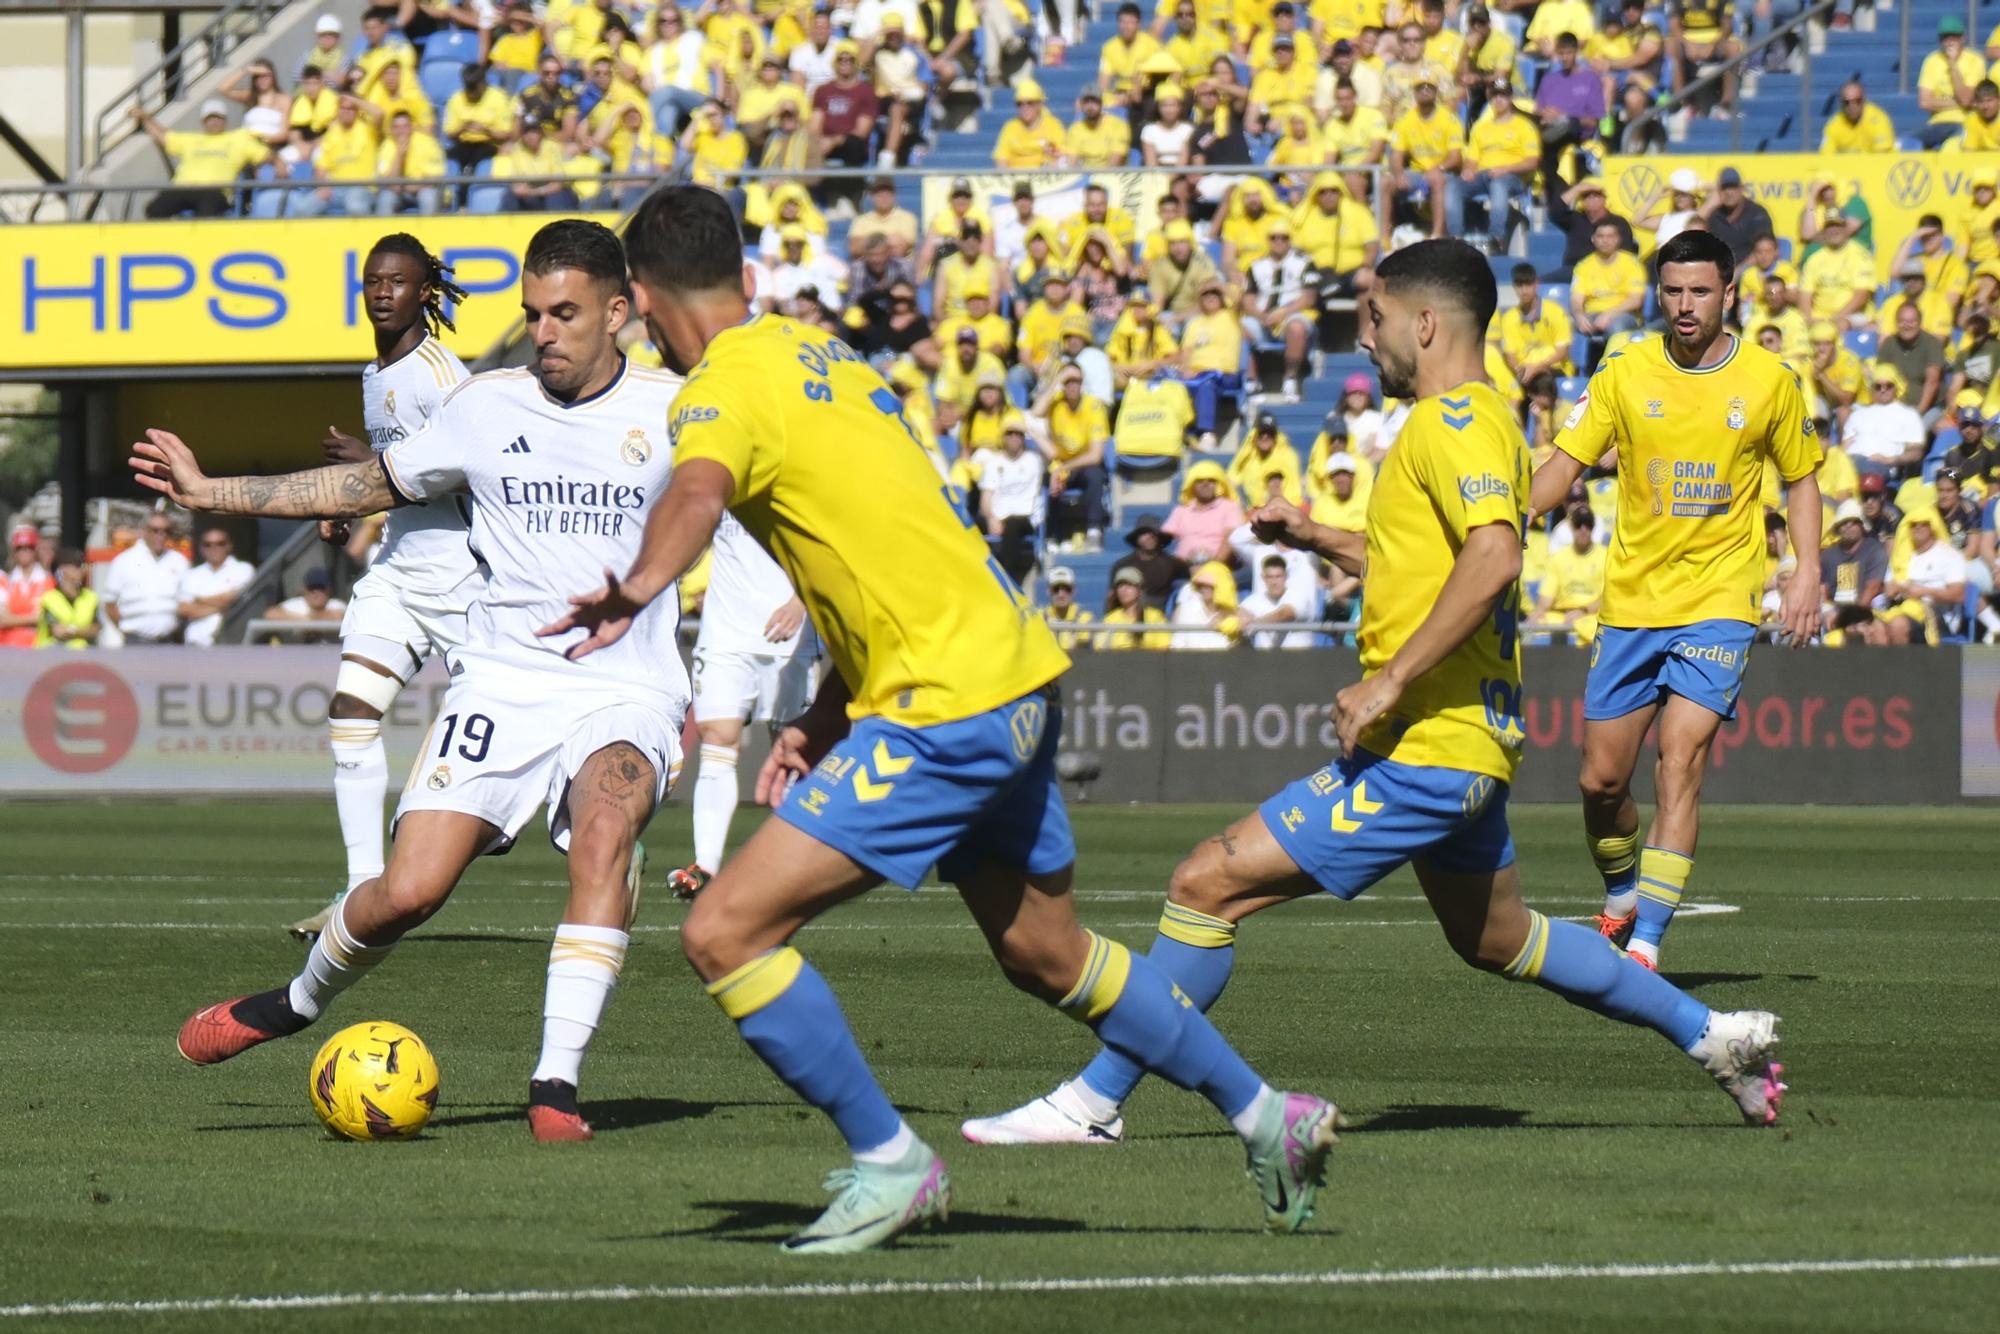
(787,1013)
(584,964)
(1663,877)
(1128,1001)
(1196,952)
(1586,969)
(1617,859)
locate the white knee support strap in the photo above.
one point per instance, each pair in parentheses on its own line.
(366,684)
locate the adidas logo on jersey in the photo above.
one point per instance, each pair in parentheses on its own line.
(519,445)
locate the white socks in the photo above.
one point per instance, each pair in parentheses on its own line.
(1246,1120)
(1081,1097)
(882,1155)
(360,782)
(1622,905)
(583,967)
(715,796)
(335,963)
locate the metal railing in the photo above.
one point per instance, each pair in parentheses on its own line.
(194,58)
(1696,89)
(23,203)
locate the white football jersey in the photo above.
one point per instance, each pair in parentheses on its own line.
(745,587)
(560,494)
(423,547)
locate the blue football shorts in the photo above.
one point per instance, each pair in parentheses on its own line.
(898,800)
(1358,819)
(1633,668)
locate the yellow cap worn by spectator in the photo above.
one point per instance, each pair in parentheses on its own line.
(1881,372)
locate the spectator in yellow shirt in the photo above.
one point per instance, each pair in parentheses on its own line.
(1425,158)
(1979,245)
(1129,607)
(1553,18)
(1533,335)
(1573,583)
(996,335)
(1191,47)
(345,160)
(1079,430)
(1946,82)
(1981,132)
(1033,138)
(1838,279)
(1777,305)
(1838,377)
(1210,356)
(1607,292)
(1502,155)
(1354,135)
(965,368)
(204,163)
(1139,343)
(478,121)
(313,104)
(757,103)
(1246,225)
(1338,233)
(1861,126)
(517,44)
(1286,80)
(717,151)
(534,154)
(1299,144)
(381,44)
(394,91)
(1095,139)
(1118,63)
(1096,212)
(412,153)
(1934,311)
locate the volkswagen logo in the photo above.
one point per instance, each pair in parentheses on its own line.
(1909,183)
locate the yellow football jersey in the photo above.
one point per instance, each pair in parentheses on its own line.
(1459,463)
(1691,444)
(921,622)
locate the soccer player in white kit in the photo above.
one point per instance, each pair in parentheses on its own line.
(753,662)
(562,462)
(413,599)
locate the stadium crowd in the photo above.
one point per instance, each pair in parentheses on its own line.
(1062,357)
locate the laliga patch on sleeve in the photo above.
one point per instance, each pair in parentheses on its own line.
(1575,418)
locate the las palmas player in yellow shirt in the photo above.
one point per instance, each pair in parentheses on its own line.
(933,741)
(1430,736)
(1692,415)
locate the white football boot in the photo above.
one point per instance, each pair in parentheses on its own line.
(1058,1118)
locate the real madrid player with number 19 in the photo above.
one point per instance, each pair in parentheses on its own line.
(413,599)
(753,662)
(562,461)
(1430,736)
(932,742)
(1692,415)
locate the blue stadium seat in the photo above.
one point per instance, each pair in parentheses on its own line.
(1570,388)
(485,198)
(1862,343)
(453,45)
(439,80)
(1557,295)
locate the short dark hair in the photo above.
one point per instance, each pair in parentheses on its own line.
(1132,9)
(1566,39)
(69,556)
(1446,268)
(1931,220)
(1698,247)
(590,248)
(1525,273)
(684,238)
(1985,88)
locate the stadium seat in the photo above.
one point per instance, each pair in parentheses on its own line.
(439,80)
(1862,343)
(453,45)
(485,198)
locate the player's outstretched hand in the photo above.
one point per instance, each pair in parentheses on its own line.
(785,622)
(607,614)
(162,463)
(785,765)
(1799,612)
(1281,521)
(1361,704)
(340,447)
(334,532)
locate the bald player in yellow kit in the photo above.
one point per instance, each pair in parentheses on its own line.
(1692,415)
(932,742)
(1430,736)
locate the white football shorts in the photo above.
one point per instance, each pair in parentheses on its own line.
(399,630)
(506,743)
(750,687)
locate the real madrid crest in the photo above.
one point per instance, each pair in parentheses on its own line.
(440,778)
(1736,406)
(389,402)
(637,449)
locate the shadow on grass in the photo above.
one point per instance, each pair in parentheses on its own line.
(607,1115)
(1689,981)
(767,1221)
(470,938)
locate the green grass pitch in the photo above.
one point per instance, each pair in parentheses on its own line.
(1493,1128)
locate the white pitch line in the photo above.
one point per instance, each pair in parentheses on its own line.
(1331,1278)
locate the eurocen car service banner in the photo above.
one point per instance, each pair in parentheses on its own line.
(222,292)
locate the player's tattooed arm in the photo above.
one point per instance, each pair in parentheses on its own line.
(162,463)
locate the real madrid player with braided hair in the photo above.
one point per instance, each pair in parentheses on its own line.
(1692,417)
(562,461)
(412,601)
(933,740)
(1431,734)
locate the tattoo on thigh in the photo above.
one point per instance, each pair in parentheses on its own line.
(1228,844)
(622,771)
